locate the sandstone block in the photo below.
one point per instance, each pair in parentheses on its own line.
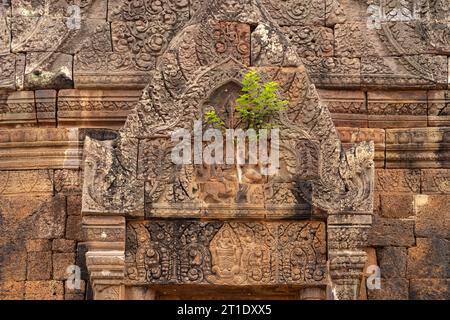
(429,289)
(12,290)
(44,290)
(348,108)
(73,228)
(76,291)
(74,205)
(397,180)
(429,259)
(13,261)
(7,72)
(397,109)
(67,181)
(391,289)
(46,108)
(43,148)
(435,181)
(417,148)
(18,110)
(392,262)
(61,261)
(38,245)
(63,245)
(26,182)
(432,215)
(438,108)
(391,232)
(39,266)
(397,206)
(47,221)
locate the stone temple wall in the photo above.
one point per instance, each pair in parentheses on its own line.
(381,66)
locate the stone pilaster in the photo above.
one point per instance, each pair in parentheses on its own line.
(347,237)
(105,259)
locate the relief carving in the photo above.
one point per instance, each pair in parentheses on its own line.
(227,253)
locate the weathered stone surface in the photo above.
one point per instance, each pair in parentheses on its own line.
(63,245)
(42,148)
(76,291)
(417,148)
(47,221)
(74,296)
(421,71)
(61,261)
(59,8)
(429,289)
(46,108)
(397,109)
(73,228)
(39,245)
(392,261)
(398,180)
(53,74)
(429,258)
(435,181)
(39,265)
(28,182)
(355,39)
(432,215)
(7,71)
(67,181)
(328,72)
(391,232)
(310,40)
(12,290)
(13,263)
(397,206)
(391,289)
(438,108)
(5,26)
(293,12)
(95,108)
(74,205)
(44,290)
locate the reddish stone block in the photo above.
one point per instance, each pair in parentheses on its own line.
(44,290)
(397,206)
(39,266)
(61,261)
(428,259)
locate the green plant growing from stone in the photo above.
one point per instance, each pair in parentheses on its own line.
(255,106)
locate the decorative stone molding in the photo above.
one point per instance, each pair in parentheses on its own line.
(417,148)
(17,109)
(95,108)
(347,107)
(42,148)
(397,109)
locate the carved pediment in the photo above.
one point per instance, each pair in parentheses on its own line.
(204,64)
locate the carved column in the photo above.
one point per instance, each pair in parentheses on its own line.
(105,258)
(347,237)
